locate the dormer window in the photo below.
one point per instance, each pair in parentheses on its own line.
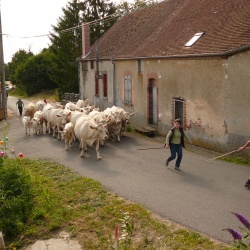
(194,39)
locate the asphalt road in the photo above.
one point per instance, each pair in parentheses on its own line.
(199,197)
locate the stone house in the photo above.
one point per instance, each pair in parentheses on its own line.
(178,58)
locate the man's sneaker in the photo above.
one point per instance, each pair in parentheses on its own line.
(247,184)
(167,163)
(176,168)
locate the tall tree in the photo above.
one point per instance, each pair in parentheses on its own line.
(34,75)
(104,11)
(66,40)
(19,58)
(66,46)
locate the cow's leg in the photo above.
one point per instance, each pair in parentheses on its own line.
(82,151)
(85,147)
(54,131)
(49,127)
(70,141)
(58,133)
(46,126)
(102,143)
(66,145)
(118,138)
(97,151)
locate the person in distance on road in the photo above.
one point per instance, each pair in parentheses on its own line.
(20,106)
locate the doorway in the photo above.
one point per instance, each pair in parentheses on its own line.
(152,102)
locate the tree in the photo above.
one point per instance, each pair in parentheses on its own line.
(99,10)
(125,6)
(6,70)
(18,59)
(67,41)
(66,47)
(35,74)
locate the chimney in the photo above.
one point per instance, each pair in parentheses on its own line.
(85,39)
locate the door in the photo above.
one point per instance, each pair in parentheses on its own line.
(152,102)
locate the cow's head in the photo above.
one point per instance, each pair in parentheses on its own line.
(101,130)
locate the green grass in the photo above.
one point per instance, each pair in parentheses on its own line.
(65,200)
(237,160)
(49,95)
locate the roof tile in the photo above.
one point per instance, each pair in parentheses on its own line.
(164,28)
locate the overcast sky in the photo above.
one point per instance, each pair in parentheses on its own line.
(26,18)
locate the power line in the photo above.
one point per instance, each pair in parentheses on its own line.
(92,23)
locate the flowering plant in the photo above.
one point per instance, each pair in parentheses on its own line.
(241,240)
(6,150)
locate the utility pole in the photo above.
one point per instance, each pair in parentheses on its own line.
(3,107)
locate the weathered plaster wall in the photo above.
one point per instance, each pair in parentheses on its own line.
(215,92)
(237,100)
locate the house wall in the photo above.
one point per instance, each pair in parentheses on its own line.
(87,84)
(214,89)
(237,99)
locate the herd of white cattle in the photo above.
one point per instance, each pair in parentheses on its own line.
(76,120)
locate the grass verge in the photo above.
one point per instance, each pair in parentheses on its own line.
(64,200)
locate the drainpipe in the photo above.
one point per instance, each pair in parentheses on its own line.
(114,85)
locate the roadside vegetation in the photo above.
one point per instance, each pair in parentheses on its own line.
(56,199)
(237,160)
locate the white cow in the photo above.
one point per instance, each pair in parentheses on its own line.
(38,122)
(114,125)
(99,117)
(71,106)
(125,117)
(75,115)
(57,119)
(39,105)
(27,123)
(46,110)
(68,135)
(37,126)
(90,133)
(73,118)
(29,110)
(82,103)
(88,109)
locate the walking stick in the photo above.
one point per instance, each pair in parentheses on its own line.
(225,154)
(148,148)
(151,148)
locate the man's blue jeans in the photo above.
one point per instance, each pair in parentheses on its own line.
(175,149)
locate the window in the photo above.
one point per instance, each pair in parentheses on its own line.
(92,64)
(139,62)
(105,85)
(128,89)
(179,109)
(194,39)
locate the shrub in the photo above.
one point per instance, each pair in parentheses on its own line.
(15,197)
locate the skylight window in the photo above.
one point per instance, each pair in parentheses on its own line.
(194,39)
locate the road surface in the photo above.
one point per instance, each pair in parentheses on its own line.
(199,197)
